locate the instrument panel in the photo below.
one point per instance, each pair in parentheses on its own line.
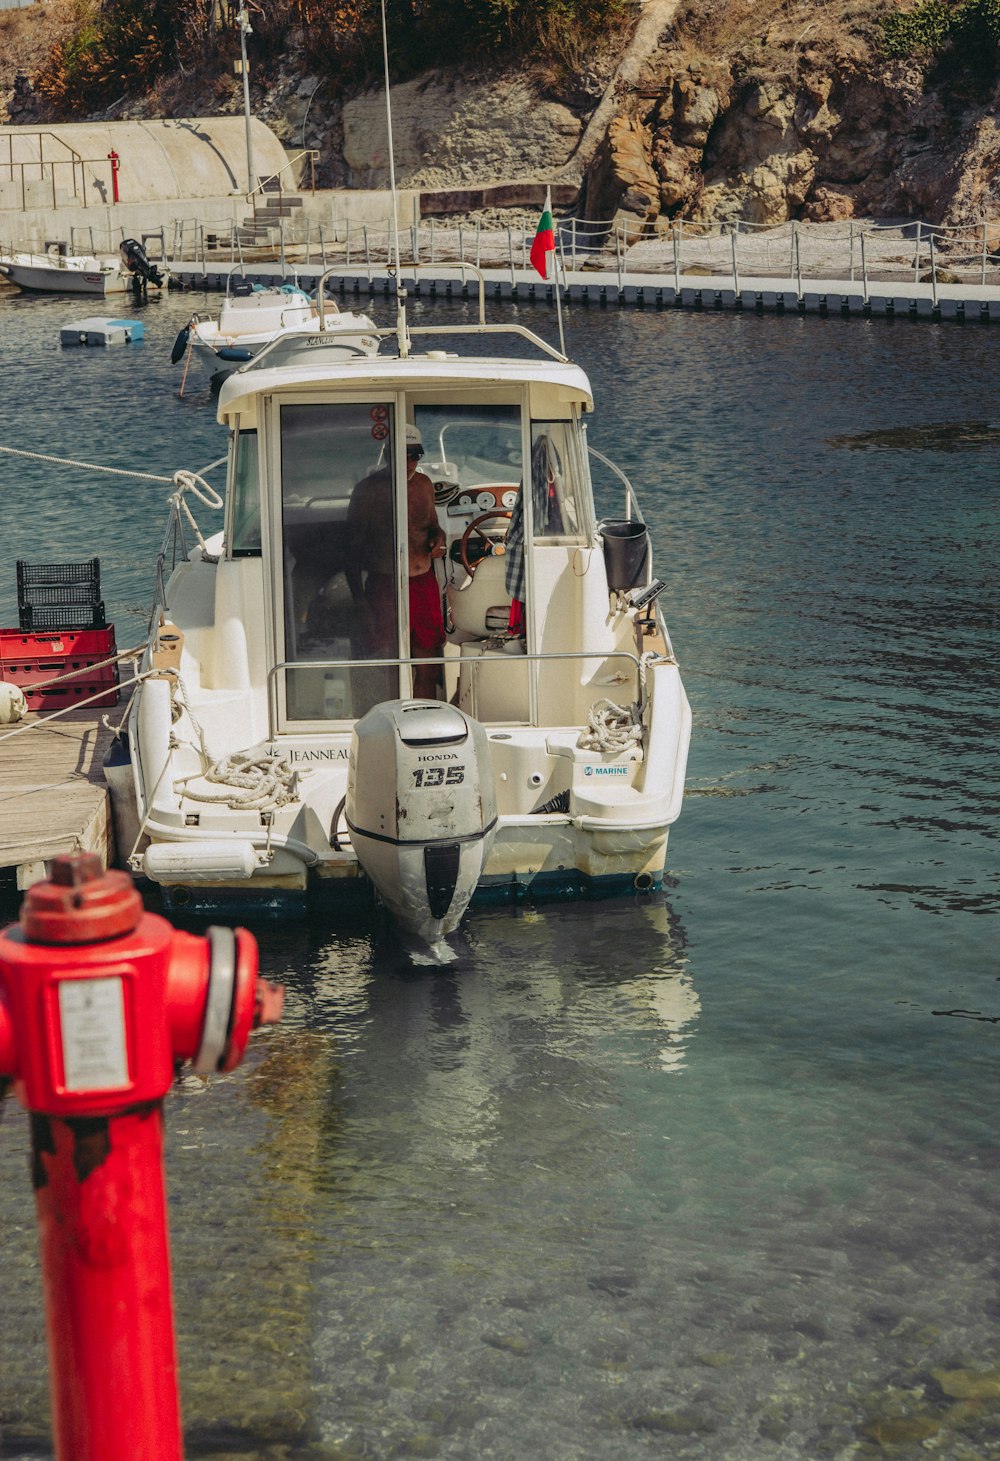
(471,500)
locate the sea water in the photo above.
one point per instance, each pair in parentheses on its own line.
(709,1174)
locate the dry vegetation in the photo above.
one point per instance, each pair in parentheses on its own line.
(27,36)
(767,39)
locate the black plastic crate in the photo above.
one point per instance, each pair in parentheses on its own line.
(60,595)
(62,616)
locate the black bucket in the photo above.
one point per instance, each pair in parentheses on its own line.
(626,554)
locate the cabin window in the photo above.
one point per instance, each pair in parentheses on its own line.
(340,560)
(245,524)
(558,490)
(471,446)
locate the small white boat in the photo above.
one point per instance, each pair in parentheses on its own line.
(301,726)
(54,273)
(252,315)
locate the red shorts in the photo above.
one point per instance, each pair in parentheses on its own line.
(426,621)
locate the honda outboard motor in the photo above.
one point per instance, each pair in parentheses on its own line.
(421,806)
(138,263)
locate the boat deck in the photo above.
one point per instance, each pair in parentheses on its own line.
(53,796)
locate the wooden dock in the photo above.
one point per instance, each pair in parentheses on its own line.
(53,797)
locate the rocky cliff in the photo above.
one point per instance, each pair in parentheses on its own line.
(761,110)
(797,117)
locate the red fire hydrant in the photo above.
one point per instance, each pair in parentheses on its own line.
(115,162)
(99,1003)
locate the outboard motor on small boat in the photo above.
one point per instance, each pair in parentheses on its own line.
(138,263)
(421,807)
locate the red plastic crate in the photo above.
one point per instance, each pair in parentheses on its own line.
(31,660)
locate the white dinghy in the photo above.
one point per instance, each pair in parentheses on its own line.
(299,727)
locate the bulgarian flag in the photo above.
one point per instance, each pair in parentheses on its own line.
(545,239)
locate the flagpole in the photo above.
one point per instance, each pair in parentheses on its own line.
(555,273)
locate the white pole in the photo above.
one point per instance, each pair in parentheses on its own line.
(392,162)
(916,256)
(246,29)
(555,275)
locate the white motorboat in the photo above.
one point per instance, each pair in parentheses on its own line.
(274,745)
(252,315)
(55,273)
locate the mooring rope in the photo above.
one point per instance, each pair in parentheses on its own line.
(39,456)
(100,694)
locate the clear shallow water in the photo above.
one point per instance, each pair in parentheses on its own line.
(712,1175)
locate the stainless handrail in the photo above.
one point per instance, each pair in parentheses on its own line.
(480,326)
(311,152)
(442,659)
(632,509)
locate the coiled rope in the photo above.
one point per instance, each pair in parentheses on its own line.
(263,780)
(613,728)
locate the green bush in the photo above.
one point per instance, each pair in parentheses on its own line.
(936,24)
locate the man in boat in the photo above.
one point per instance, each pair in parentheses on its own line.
(371,563)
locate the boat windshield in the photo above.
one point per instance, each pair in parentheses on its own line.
(471,445)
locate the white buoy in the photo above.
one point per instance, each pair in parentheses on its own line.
(12,703)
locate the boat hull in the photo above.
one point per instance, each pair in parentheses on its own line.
(547,863)
(41,279)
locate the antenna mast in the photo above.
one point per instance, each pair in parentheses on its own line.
(401,331)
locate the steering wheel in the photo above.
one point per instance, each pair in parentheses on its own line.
(476,527)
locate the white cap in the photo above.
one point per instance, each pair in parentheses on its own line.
(413,437)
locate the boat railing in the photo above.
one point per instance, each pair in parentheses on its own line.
(475,665)
(480,327)
(632,509)
(174,547)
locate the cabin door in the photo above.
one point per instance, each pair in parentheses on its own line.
(338,597)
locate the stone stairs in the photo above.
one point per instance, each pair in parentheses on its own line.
(270,205)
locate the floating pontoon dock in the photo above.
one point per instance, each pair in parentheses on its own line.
(707,292)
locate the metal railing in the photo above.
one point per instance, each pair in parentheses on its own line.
(682,251)
(457,662)
(685,253)
(48,172)
(264,188)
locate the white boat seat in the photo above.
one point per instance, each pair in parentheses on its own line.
(477,602)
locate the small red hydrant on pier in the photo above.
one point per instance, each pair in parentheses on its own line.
(116,163)
(100,1002)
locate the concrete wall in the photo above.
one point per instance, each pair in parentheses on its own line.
(200,157)
(103,228)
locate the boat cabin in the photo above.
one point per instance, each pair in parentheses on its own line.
(318,538)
